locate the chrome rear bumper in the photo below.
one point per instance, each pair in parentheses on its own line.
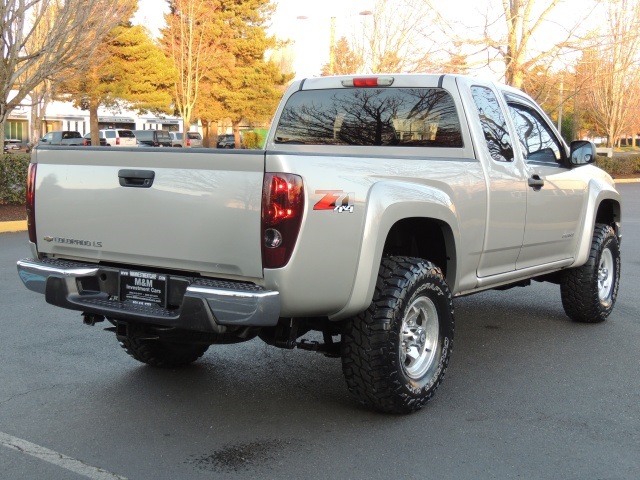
(200,304)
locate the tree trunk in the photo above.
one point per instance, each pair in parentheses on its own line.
(186,124)
(205,133)
(93,122)
(37,121)
(3,121)
(235,125)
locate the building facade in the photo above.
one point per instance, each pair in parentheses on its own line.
(64,116)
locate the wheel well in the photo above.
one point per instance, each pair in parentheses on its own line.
(608,212)
(423,238)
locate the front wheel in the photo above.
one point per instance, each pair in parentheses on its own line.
(589,292)
(395,353)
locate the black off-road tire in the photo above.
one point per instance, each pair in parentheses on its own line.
(589,292)
(163,354)
(395,353)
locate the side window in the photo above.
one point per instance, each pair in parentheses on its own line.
(493,123)
(536,138)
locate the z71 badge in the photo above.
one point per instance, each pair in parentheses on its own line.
(335,200)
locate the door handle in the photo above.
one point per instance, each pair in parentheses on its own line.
(536,183)
(136,178)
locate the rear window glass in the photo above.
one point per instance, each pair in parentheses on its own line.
(144,134)
(194,135)
(162,135)
(371,116)
(126,134)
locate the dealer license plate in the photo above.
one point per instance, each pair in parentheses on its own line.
(143,288)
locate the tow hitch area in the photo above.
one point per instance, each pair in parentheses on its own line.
(287,334)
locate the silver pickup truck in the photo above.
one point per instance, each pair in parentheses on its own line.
(376,201)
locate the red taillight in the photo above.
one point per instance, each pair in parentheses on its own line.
(86,143)
(188,142)
(118,141)
(282,209)
(31,201)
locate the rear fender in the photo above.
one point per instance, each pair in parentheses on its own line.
(388,203)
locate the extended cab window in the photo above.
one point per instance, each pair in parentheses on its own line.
(538,142)
(371,116)
(493,123)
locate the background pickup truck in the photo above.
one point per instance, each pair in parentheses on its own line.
(67,137)
(377,200)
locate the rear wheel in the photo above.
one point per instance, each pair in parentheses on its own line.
(395,354)
(163,354)
(589,292)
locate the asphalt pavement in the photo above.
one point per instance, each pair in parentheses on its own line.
(528,394)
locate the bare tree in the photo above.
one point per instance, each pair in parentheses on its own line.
(66,39)
(398,37)
(615,65)
(514,34)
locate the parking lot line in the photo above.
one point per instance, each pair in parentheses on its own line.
(58,459)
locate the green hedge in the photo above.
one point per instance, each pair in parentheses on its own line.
(251,140)
(13,178)
(620,164)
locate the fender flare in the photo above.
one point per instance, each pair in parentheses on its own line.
(389,202)
(599,192)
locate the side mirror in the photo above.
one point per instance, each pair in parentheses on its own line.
(43,140)
(582,153)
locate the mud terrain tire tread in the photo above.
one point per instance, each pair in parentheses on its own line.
(579,286)
(163,354)
(372,340)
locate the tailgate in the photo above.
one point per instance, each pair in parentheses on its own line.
(201,212)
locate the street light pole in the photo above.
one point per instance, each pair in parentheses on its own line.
(332,46)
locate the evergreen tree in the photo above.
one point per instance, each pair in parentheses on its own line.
(347,61)
(130,69)
(249,87)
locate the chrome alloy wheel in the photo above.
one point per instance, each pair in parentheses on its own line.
(419,338)
(606,271)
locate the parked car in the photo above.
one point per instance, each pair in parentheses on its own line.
(194,139)
(119,137)
(153,138)
(87,141)
(63,137)
(14,145)
(227,141)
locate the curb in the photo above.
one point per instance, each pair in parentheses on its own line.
(627,180)
(10,227)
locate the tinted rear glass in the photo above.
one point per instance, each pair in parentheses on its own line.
(144,135)
(371,116)
(194,136)
(126,134)
(164,136)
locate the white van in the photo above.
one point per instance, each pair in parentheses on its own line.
(119,137)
